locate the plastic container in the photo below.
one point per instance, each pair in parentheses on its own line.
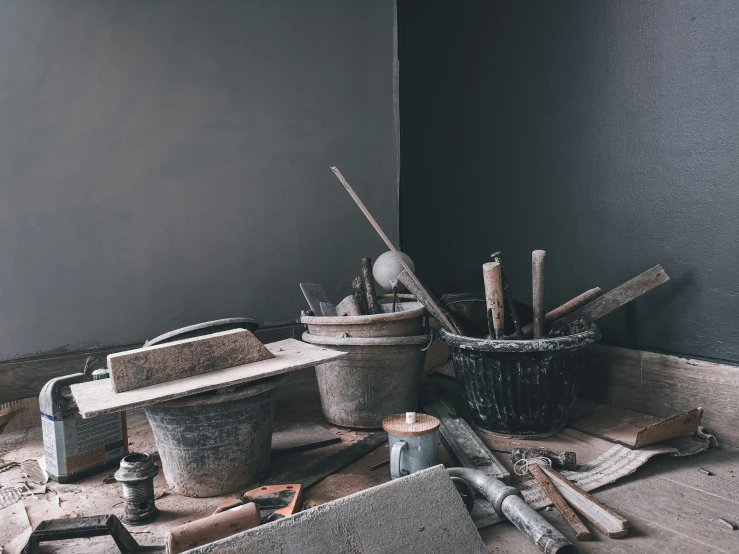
(216,442)
(379,377)
(520,387)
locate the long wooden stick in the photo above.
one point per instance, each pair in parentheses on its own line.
(561,311)
(582,533)
(443,320)
(493,281)
(622,294)
(597,513)
(538,274)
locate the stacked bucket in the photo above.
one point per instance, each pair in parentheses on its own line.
(381,373)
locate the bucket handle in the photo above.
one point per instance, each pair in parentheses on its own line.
(431,340)
(396,453)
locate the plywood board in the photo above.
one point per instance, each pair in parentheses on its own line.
(96,397)
(151,365)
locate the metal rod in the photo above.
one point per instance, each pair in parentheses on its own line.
(508,503)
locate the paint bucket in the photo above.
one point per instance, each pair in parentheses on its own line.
(407,320)
(520,388)
(216,442)
(378,377)
(413,440)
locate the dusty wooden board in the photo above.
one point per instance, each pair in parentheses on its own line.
(96,398)
(301,438)
(622,294)
(151,365)
(24,378)
(663,385)
(671,384)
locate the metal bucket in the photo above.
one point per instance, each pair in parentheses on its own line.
(217,442)
(520,387)
(379,377)
(406,321)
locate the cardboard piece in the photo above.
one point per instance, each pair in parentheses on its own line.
(637,430)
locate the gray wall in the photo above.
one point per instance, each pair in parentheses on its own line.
(606,133)
(164,163)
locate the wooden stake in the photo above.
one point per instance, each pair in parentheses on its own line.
(538,275)
(442,318)
(581,532)
(493,279)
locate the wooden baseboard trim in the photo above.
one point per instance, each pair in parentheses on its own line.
(662,385)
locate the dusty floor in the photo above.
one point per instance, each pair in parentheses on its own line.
(671,506)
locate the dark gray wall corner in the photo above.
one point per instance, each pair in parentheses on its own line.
(606,133)
(164,163)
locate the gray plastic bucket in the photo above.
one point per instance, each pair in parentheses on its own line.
(217,442)
(379,377)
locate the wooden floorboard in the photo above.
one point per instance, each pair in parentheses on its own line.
(671,506)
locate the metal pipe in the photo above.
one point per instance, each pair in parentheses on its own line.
(136,476)
(509,504)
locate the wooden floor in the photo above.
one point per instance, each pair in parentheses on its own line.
(672,507)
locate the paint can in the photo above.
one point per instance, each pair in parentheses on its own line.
(413,439)
(76,447)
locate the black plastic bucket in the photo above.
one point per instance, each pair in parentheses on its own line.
(516,387)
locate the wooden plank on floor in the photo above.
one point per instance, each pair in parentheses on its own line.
(671,385)
(97,397)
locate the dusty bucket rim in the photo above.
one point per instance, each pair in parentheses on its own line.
(328,340)
(553,344)
(406,313)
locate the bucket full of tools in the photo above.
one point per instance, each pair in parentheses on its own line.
(378,377)
(517,387)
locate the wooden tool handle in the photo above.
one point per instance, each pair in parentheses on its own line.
(493,279)
(538,271)
(212,528)
(581,532)
(369,286)
(561,311)
(597,513)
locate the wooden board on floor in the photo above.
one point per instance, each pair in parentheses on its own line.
(95,398)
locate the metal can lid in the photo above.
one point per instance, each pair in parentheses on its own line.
(397,425)
(101,373)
